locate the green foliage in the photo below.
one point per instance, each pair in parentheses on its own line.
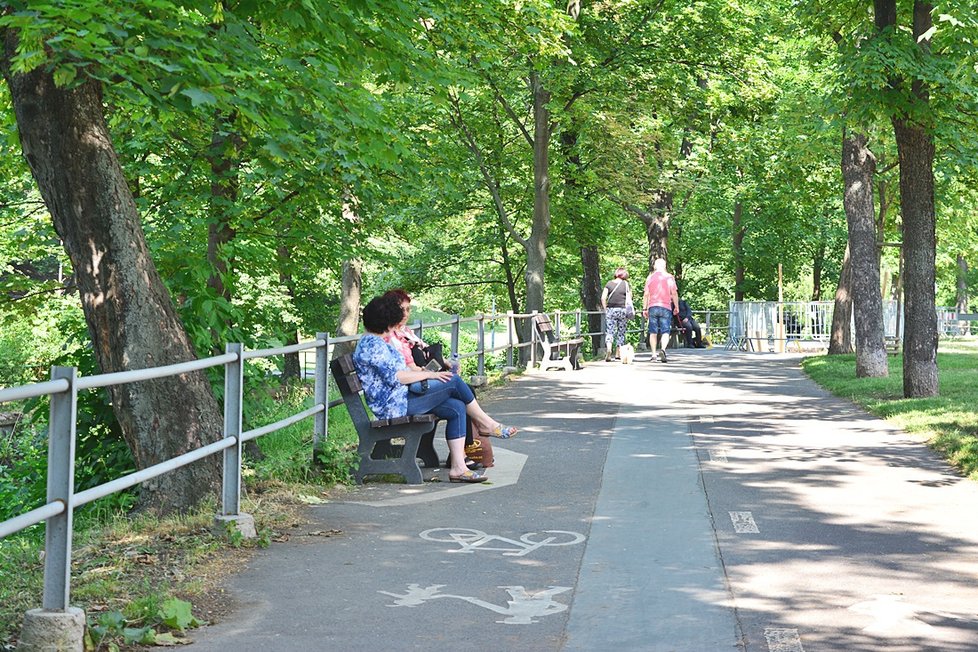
(111,629)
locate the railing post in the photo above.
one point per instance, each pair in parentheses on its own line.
(231,485)
(455,329)
(510,331)
(321,395)
(61,483)
(533,341)
(56,625)
(233,394)
(481,336)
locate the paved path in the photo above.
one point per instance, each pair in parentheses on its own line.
(718,502)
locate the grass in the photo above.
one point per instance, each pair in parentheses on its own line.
(948,422)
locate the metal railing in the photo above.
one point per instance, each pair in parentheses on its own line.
(65,385)
(762,324)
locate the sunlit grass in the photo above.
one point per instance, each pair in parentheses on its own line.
(949,421)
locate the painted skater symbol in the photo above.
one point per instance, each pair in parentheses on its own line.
(523,607)
(471,540)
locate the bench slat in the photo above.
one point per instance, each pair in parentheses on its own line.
(377,454)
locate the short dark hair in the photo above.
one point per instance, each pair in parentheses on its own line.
(381,313)
(401,295)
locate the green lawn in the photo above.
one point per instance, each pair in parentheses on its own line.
(949,422)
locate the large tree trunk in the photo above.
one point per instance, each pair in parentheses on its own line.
(920,253)
(129,312)
(738,251)
(840,341)
(591,293)
(916,150)
(858,168)
(657,228)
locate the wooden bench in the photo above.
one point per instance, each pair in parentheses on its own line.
(556,352)
(378,454)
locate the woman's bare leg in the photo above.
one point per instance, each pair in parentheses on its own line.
(457,449)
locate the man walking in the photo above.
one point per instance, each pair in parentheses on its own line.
(660,302)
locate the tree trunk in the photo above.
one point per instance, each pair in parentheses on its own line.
(536,250)
(961,297)
(920,253)
(591,293)
(291,369)
(818,263)
(858,168)
(350,301)
(657,228)
(223,158)
(590,258)
(840,341)
(916,151)
(130,315)
(738,251)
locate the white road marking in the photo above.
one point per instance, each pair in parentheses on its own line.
(782,640)
(523,607)
(743,523)
(718,455)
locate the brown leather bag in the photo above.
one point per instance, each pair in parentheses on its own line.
(480,450)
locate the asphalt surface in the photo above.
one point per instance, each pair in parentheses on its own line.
(720,501)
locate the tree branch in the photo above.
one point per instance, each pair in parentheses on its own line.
(491,184)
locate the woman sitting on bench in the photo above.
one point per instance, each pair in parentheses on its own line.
(385,379)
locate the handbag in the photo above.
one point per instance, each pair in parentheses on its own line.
(423,356)
(629,307)
(480,450)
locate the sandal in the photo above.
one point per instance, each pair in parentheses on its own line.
(503,432)
(468,476)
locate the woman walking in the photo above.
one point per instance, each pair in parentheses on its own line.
(616,299)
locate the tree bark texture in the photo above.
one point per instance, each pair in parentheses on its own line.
(591,293)
(920,255)
(818,264)
(223,158)
(858,169)
(915,145)
(840,341)
(536,250)
(291,369)
(961,295)
(350,301)
(130,314)
(656,221)
(738,251)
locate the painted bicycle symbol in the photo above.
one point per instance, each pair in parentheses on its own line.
(471,540)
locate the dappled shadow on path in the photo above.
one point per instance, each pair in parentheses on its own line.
(864,535)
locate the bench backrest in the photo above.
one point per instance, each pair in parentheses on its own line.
(350,388)
(546,330)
